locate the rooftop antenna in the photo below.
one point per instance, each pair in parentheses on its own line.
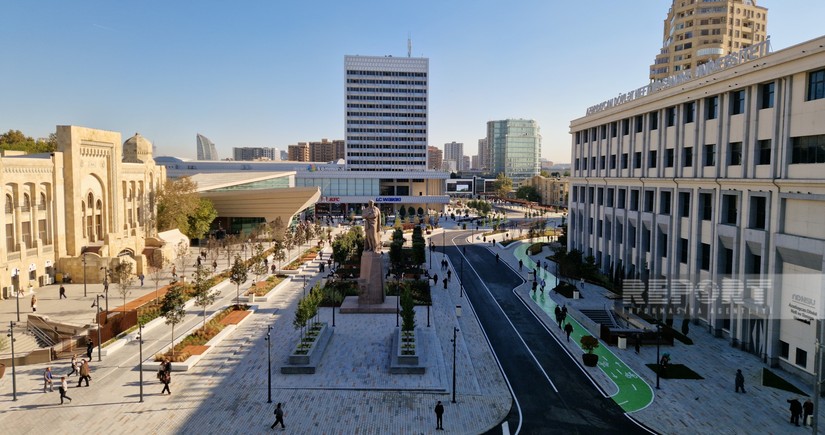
(409,45)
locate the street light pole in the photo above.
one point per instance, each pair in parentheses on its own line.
(140,343)
(13,365)
(268,339)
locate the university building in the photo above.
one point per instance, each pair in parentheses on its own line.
(712,182)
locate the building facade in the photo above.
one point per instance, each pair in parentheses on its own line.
(255,153)
(455,151)
(92,199)
(715,183)
(553,191)
(386,113)
(696,32)
(206,148)
(514,146)
(434,158)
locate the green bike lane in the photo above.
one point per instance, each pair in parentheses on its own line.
(634,393)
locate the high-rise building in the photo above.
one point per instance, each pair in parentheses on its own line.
(483,155)
(386,113)
(514,146)
(434,158)
(206,149)
(710,194)
(327,151)
(696,32)
(255,153)
(454,151)
(299,152)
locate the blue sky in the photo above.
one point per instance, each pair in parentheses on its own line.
(270,73)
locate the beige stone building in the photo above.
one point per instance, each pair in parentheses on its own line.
(91,199)
(697,31)
(553,191)
(712,183)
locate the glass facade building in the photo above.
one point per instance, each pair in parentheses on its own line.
(514,146)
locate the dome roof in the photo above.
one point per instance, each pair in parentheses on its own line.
(137,149)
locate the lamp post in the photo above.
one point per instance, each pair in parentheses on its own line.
(13,365)
(84,274)
(268,339)
(455,335)
(140,361)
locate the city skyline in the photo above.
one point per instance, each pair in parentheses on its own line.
(140,68)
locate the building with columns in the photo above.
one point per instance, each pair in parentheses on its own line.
(711,191)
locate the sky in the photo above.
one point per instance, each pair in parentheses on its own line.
(271,73)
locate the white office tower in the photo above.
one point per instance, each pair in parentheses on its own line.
(206,148)
(455,151)
(386,102)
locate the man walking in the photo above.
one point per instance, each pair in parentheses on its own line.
(279,417)
(62,389)
(439,412)
(740,381)
(568,329)
(62,292)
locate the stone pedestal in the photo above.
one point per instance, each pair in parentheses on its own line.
(371,281)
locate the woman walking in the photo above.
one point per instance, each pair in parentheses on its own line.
(62,388)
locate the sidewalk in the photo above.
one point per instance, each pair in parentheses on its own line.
(709,405)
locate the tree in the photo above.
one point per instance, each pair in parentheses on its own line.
(503,185)
(238,276)
(529,193)
(179,206)
(122,275)
(202,292)
(172,309)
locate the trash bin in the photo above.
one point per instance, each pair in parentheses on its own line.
(575,294)
(622,342)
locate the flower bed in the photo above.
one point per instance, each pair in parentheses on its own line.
(200,337)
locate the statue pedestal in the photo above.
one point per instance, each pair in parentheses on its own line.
(371,297)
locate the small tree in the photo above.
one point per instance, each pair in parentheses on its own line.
(122,274)
(202,293)
(172,310)
(407,310)
(238,276)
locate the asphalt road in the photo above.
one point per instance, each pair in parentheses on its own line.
(552,393)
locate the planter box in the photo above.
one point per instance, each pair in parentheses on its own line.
(406,364)
(306,363)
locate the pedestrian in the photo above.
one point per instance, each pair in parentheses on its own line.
(568,328)
(166,376)
(62,389)
(85,373)
(796,409)
(62,292)
(520,264)
(34,303)
(89,347)
(439,412)
(141,277)
(74,365)
(740,381)
(445,283)
(279,417)
(638,343)
(449,275)
(47,380)
(807,411)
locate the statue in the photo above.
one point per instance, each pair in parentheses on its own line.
(372,218)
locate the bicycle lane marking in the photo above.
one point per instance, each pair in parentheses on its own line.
(634,394)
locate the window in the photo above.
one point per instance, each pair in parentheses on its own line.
(816,85)
(808,149)
(711,107)
(706,203)
(634,200)
(784,349)
(690,111)
(687,157)
(637,160)
(737,102)
(683,251)
(758,211)
(730,209)
(671,116)
(624,161)
(654,120)
(735,153)
(639,123)
(764,152)
(649,201)
(705,260)
(710,155)
(684,204)
(651,159)
(669,158)
(664,203)
(801,357)
(766,91)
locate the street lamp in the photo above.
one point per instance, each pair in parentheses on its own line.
(268,339)
(140,363)
(455,334)
(13,365)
